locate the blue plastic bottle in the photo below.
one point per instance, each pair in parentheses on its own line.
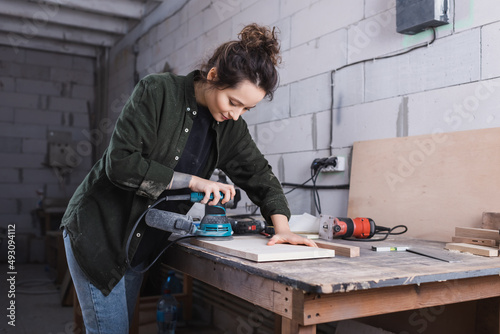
(168,307)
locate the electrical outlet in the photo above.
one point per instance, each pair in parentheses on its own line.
(329,164)
(338,167)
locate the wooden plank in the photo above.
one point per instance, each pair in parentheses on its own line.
(340,249)
(255,248)
(473,249)
(431,183)
(491,220)
(475,241)
(477,233)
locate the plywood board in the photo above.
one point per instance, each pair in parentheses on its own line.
(255,248)
(431,183)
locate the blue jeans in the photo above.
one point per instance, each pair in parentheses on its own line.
(104,314)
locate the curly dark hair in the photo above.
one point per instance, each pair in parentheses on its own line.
(253,57)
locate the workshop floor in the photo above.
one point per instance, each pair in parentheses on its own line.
(38,306)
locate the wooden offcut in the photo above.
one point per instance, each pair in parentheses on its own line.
(430,183)
(340,249)
(473,249)
(473,232)
(491,220)
(255,248)
(475,241)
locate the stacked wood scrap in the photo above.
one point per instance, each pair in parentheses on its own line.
(483,241)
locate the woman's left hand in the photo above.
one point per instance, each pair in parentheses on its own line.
(291,238)
(284,235)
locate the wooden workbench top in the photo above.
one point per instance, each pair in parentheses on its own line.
(370,270)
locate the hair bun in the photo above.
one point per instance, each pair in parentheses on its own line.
(262,40)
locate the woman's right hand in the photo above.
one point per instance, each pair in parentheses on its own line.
(209,187)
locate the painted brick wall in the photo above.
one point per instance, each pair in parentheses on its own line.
(450,85)
(40,92)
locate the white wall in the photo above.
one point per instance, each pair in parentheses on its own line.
(451,85)
(40,92)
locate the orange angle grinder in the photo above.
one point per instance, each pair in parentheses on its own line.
(357,228)
(361,228)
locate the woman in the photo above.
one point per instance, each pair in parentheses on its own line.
(171,135)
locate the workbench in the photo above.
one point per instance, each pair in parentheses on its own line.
(305,293)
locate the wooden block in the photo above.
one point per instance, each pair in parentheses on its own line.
(491,220)
(475,241)
(340,249)
(481,233)
(474,249)
(255,248)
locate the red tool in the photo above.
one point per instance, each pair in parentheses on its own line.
(357,229)
(361,228)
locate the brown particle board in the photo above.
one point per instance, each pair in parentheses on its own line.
(431,183)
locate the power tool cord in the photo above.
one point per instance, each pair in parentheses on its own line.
(161,253)
(314,177)
(315,170)
(127,247)
(381,229)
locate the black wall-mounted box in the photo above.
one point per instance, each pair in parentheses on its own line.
(414,16)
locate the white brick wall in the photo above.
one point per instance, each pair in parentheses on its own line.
(457,108)
(490,51)
(474,13)
(323,17)
(39,92)
(405,95)
(278,108)
(317,56)
(310,95)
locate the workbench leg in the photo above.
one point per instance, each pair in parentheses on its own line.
(291,327)
(188,299)
(488,316)
(79,327)
(134,326)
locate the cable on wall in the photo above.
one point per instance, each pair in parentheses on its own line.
(315,170)
(332,77)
